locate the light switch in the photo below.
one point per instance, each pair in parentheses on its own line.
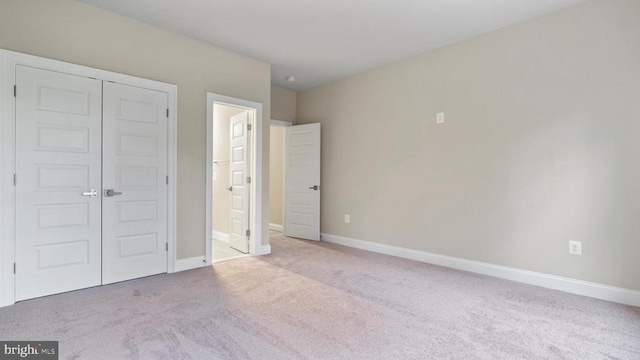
(440,118)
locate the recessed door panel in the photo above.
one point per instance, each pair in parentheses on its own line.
(134,144)
(141,111)
(138,245)
(62,138)
(302,219)
(132,177)
(134,168)
(76,101)
(65,254)
(52,216)
(62,177)
(132,211)
(58,150)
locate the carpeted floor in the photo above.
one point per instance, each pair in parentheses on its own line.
(322,301)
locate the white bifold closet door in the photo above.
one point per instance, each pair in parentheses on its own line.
(134,242)
(58,170)
(91,190)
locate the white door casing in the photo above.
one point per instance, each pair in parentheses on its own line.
(302,181)
(239,191)
(134,240)
(256,223)
(58,147)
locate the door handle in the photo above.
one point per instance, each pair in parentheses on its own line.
(230,188)
(315,187)
(111,192)
(92,193)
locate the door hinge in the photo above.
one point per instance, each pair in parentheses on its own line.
(248,232)
(249,127)
(167,112)
(167,179)
(167,247)
(15,179)
(14,268)
(15,91)
(248,179)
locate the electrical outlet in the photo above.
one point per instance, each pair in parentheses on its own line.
(347,219)
(440,118)
(575,247)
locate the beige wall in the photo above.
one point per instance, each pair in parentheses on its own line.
(276,182)
(283,104)
(220,210)
(71,31)
(541,145)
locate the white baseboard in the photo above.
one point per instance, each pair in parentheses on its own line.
(573,286)
(263,250)
(220,236)
(275,227)
(189,263)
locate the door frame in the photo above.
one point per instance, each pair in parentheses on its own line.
(256,247)
(8,62)
(282,124)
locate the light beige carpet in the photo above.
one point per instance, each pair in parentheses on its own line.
(323,301)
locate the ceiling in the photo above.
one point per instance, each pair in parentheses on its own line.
(322,40)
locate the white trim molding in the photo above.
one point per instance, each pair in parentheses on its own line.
(7,194)
(573,286)
(263,250)
(220,236)
(275,227)
(8,62)
(190,263)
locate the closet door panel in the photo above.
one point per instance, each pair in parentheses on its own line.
(58,173)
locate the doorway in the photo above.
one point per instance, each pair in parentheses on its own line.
(233,180)
(276,175)
(230,205)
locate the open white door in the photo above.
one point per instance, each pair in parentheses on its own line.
(239,189)
(302,181)
(58,146)
(134,183)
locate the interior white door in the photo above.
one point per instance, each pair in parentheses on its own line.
(58,213)
(238,170)
(302,181)
(134,182)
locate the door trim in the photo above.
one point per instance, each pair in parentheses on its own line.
(256,247)
(8,62)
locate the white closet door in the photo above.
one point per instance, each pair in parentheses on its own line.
(302,181)
(134,182)
(58,146)
(238,170)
